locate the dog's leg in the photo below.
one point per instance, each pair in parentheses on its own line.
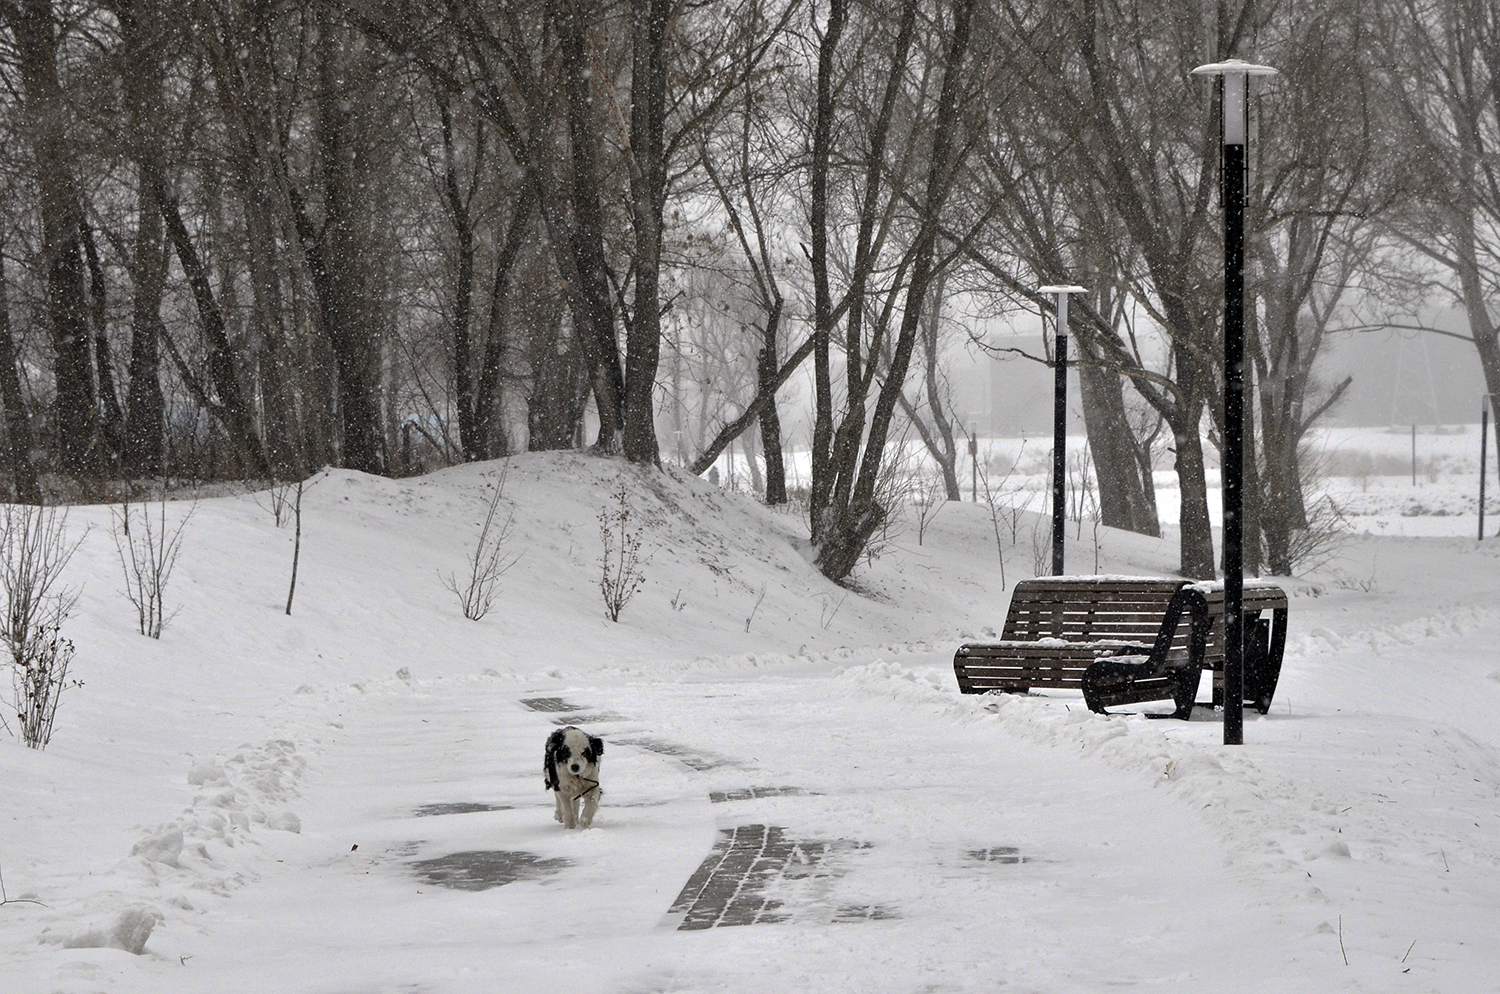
(564,808)
(577,823)
(590,807)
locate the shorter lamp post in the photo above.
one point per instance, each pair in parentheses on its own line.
(1234,72)
(1060,423)
(1484,431)
(974,461)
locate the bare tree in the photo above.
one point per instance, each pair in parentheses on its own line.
(1442,59)
(844,504)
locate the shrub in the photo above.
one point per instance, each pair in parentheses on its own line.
(148,552)
(620,563)
(488,562)
(34,551)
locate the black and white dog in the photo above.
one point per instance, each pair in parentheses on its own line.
(571,768)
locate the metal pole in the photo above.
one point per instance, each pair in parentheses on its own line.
(1484,431)
(1234,73)
(1234,425)
(1060,436)
(974,463)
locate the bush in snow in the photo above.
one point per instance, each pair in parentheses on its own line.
(620,564)
(476,592)
(34,550)
(148,552)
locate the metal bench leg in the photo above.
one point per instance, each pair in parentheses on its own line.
(1187,691)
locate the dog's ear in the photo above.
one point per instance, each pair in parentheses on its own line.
(549,758)
(595,749)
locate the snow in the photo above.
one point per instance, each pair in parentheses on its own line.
(349,798)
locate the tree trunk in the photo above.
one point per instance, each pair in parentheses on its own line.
(770,419)
(818,207)
(61,257)
(470,439)
(559,392)
(1126,494)
(488,398)
(17,425)
(145,409)
(1197,546)
(589,299)
(939,437)
(107,397)
(231,408)
(648,191)
(339,263)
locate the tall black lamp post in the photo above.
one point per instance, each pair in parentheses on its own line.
(1234,72)
(1060,423)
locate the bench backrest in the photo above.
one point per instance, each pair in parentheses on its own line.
(1091,609)
(1257,597)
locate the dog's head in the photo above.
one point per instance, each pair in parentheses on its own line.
(571,750)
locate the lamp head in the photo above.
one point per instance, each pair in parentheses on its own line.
(1234,72)
(1235,66)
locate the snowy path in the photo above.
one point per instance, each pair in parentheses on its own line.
(869,881)
(900,838)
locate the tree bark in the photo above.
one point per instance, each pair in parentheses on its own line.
(145,408)
(61,257)
(648,191)
(1123,489)
(770,419)
(589,298)
(338,263)
(17,425)
(470,440)
(487,399)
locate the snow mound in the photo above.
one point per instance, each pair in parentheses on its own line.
(129,930)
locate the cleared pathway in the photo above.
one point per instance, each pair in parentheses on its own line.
(769,834)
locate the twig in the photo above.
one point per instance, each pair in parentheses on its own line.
(291,589)
(4,900)
(827,615)
(1409,949)
(756,607)
(593,786)
(1341,940)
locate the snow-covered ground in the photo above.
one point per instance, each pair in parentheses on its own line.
(349,798)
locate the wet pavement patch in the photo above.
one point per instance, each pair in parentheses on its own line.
(550,704)
(755,793)
(865,913)
(484,869)
(457,808)
(997,854)
(698,761)
(592,718)
(731,886)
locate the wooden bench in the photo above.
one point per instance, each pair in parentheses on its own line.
(1122,640)
(1058,627)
